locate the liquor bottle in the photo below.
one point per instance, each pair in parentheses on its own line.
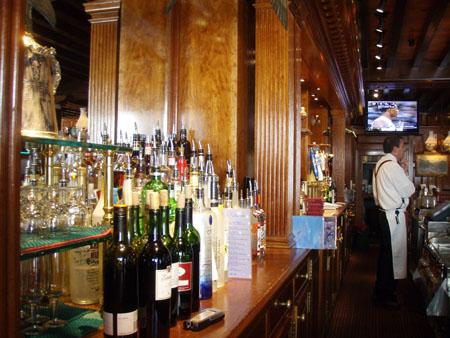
(217,235)
(202,220)
(176,180)
(157,135)
(172,150)
(183,144)
(210,177)
(170,243)
(193,168)
(173,207)
(262,222)
(194,239)
(85,274)
(166,171)
(186,256)
(201,155)
(155,184)
(120,297)
(182,164)
(128,182)
(147,146)
(154,290)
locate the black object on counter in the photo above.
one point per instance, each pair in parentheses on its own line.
(440,213)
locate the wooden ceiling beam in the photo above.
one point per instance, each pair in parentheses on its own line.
(437,13)
(394,45)
(409,83)
(443,65)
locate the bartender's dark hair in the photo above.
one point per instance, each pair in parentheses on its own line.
(390,142)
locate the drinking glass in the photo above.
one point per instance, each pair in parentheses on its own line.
(33,292)
(32,220)
(55,214)
(54,273)
(78,214)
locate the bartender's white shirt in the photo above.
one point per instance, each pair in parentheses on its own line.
(391,184)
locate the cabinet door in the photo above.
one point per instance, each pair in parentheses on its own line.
(303,315)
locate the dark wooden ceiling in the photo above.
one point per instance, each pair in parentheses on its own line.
(415,51)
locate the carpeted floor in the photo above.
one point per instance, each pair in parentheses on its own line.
(356,316)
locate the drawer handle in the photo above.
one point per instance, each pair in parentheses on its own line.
(302,317)
(287,304)
(305,276)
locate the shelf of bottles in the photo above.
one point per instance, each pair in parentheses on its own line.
(152,193)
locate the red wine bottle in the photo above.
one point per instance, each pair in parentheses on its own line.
(186,255)
(154,270)
(170,243)
(120,309)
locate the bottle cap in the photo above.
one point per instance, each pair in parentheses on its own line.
(135,197)
(181,201)
(154,200)
(188,191)
(164,198)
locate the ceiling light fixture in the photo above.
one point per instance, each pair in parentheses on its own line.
(380,26)
(380,66)
(302,80)
(375,94)
(380,42)
(379,56)
(316,99)
(380,7)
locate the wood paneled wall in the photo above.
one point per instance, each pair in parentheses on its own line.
(277,124)
(339,151)
(103,68)
(12,29)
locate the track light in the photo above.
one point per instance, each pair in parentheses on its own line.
(380,7)
(380,42)
(380,26)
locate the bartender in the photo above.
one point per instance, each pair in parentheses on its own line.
(392,188)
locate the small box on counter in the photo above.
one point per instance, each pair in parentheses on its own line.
(314,232)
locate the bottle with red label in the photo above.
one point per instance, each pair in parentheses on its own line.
(185,255)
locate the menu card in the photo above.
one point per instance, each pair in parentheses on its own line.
(239,243)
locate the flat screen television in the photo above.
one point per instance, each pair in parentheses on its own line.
(385,117)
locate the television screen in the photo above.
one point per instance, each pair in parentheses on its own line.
(392,116)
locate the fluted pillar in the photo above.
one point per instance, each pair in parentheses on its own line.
(338,141)
(277,122)
(103,70)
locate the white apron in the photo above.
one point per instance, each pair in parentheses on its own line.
(398,242)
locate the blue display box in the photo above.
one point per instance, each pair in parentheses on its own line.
(314,232)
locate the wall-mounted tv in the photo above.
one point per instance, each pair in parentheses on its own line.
(392,117)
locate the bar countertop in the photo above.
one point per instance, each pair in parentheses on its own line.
(243,299)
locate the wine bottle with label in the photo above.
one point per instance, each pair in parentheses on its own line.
(193,238)
(120,307)
(185,254)
(171,244)
(154,271)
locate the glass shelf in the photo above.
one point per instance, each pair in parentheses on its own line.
(32,246)
(71,143)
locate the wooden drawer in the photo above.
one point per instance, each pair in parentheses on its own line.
(302,277)
(281,307)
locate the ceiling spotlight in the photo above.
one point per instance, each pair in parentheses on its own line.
(380,42)
(316,99)
(380,7)
(313,95)
(379,56)
(375,94)
(302,80)
(318,88)
(380,26)
(380,66)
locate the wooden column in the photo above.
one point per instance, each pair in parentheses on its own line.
(277,125)
(12,18)
(339,150)
(103,70)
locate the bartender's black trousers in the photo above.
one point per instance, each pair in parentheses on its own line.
(386,284)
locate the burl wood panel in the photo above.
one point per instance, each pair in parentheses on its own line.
(103,68)
(208,78)
(143,66)
(275,125)
(12,18)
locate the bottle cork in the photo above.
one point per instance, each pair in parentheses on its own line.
(181,201)
(154,200)
(147,197)
(135,197)
(127,197)
(164,198)
(188,191)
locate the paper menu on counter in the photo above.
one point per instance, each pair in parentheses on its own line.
(239,243)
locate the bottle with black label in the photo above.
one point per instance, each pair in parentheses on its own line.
(154,269)
(120,307)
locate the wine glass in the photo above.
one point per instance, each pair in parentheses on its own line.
(32,220)
(55,214)
(78,214)
(55,273)
(33,292)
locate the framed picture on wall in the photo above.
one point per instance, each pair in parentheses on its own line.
(432,165)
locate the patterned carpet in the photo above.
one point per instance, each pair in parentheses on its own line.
(356,316)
